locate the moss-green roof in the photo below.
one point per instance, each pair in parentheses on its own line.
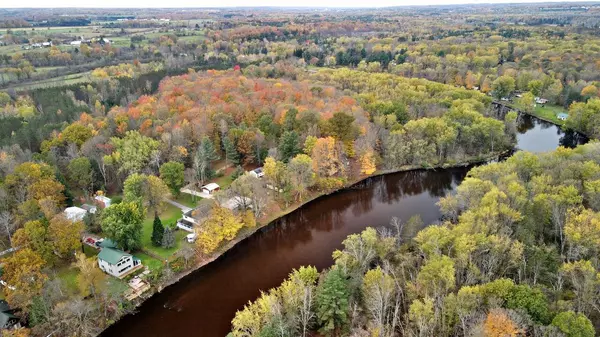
(108,243)
(111,255)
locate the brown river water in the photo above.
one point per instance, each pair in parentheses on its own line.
(204,302)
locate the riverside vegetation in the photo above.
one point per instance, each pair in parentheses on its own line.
(319,102)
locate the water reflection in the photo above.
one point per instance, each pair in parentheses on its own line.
(536,135)
(204,303)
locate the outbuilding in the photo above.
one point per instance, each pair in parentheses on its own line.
(562,116)
(75,213)
(210,188)
(258,172)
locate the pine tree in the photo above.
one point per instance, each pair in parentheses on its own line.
(231,153)
(157,231)
(333,302)
(168,238)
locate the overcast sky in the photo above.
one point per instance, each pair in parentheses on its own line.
(237,3)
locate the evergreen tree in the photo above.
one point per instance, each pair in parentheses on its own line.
(288,146)
(333,302)
(157,231)
(231,153)
(168,238)
(205,154)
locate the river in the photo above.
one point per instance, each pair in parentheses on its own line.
(204,302)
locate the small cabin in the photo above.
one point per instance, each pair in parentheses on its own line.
(75,213)
(562,116)
(210,188)
(117,263)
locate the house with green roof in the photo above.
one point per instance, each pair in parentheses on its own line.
(117,263)
(7,318)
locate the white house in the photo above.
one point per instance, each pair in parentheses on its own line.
(258,172)
(539,100)
(117,263)
(210,188)
(104,201)
(75,43)
(196,216)
(75,213)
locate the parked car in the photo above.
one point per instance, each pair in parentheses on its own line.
(191,237)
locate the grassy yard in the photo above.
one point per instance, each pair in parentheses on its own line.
(68,274)
(224,181)
(549,112)
(168,217)
(149,261)
(188,200)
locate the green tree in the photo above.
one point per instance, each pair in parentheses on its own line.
(133,152)
(535,87)
(172,173)
(168,239)
(332,301)
(574,324)
(503,86)
(288,146)
(81,174)
(301,174)
(526,102)
(231,153)
(203,158)
(122,223)
(157,231)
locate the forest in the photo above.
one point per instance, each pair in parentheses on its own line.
(515,255)
(145,110)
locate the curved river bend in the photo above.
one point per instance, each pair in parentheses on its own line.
(204,302)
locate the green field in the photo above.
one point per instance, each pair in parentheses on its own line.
(549,112)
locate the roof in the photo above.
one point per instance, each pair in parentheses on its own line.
(75,210)
(5,317)
(111,255)
(5,313)
(102,198)
(258,170)
(88,207)
(108,243)
(562,114)
(211,186)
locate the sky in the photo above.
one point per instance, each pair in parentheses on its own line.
(238,3)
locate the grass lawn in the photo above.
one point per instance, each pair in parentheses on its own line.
(549,112)
(90,251)
(169,216)
(188,200)
(149,261)
(224,181)
(68,274)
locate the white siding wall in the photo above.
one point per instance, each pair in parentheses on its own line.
(119,269)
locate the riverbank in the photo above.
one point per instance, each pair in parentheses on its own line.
(272,220)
